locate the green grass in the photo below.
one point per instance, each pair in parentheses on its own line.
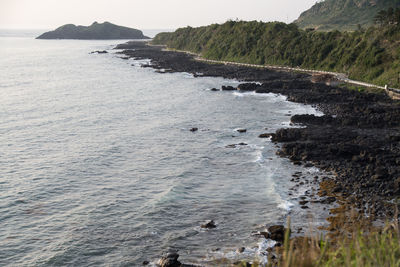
(374,249)
(369,250)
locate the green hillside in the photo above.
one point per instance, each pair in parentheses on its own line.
(343,14)
(372,55)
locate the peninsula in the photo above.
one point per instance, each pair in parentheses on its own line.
(96,31)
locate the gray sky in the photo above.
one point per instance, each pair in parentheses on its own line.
(144,14)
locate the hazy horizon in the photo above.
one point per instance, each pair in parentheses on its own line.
(153,14)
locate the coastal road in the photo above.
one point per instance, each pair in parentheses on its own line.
(392,92)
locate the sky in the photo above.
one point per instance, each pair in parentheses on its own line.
(144,14)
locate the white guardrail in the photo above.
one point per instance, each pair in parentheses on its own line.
(339,76)
(392,92)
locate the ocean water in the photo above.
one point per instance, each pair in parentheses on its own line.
(99,168)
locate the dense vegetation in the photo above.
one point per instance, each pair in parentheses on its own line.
(371,55)
(388,17)
(343,14)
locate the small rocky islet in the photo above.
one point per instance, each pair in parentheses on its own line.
(96,31)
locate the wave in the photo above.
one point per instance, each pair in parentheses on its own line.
(271,96)
(258,253)
(286,205)
(14,84)
(260,157)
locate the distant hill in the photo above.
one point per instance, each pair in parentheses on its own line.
(343,14)
(96,31)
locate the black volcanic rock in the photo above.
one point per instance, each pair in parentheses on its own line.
(209,225)
(358,138)
(277,232)
(96,31)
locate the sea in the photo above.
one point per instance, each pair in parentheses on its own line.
(98,166)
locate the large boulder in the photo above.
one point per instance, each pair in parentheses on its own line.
(277,233)
(170,260)
(209,225)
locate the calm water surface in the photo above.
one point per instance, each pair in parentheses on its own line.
(99,168)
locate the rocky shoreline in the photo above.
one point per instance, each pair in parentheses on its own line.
(357,139)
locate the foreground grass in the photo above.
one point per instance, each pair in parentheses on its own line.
(378,248)
(374,249)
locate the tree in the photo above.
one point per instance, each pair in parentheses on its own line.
(381,17)
(390,15)
(397,16)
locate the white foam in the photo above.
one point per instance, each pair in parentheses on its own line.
(258,253)
(285,205)
(260,158)
(286,123)
(301,109)
(313,170)
(271,96)
(187,75)
(238,94)
(256,147)
(262,253)
(139,62)
(264,244)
